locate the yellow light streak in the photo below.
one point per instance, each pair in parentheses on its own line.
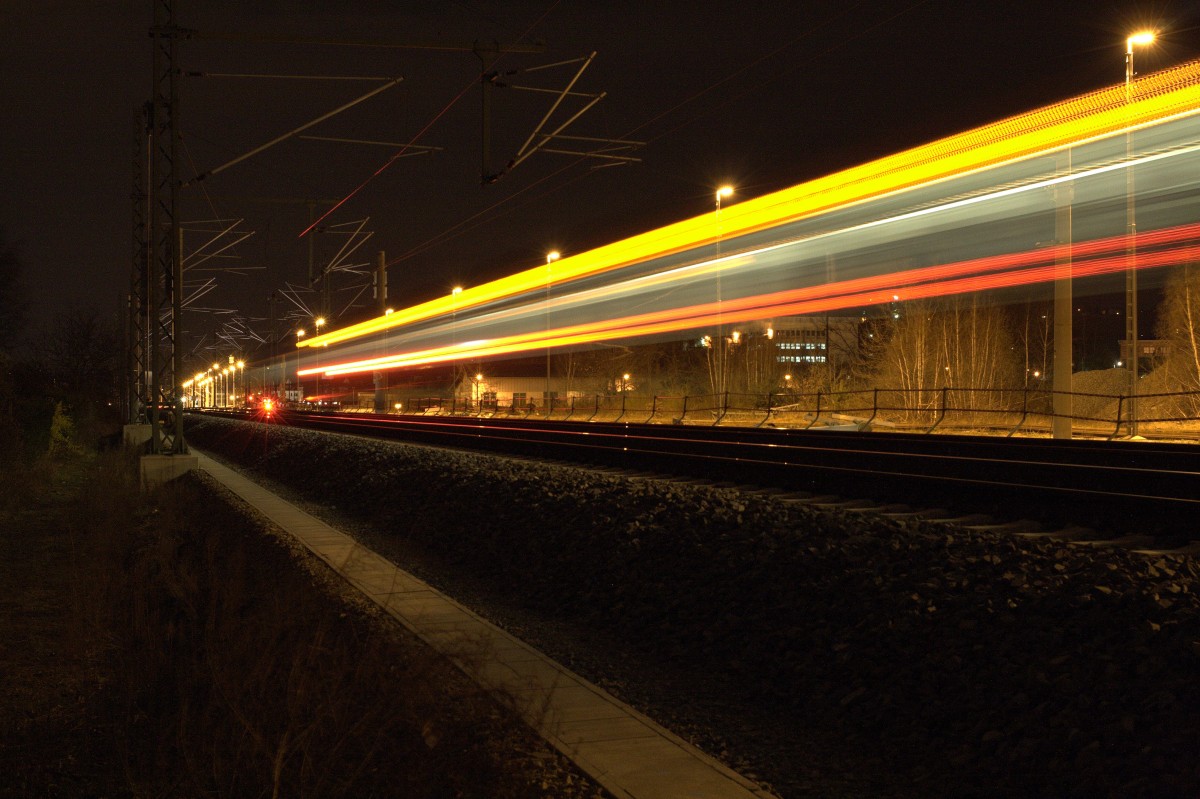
(1102,256)
(1161,96)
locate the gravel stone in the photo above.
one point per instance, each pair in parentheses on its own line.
(827,652)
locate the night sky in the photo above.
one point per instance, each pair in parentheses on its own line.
(760,95)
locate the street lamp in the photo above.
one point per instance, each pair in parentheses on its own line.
(241,367)
(1141,39)
(300,334)
(551,257)
(724,191)
(454,368)
(318,323)
(721,193)
(624,382)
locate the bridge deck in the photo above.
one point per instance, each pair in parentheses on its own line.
(626,752)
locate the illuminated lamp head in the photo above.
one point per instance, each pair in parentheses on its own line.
(1141,39)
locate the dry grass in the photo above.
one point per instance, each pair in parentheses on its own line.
(162,645)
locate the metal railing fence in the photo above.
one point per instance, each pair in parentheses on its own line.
(1006,411)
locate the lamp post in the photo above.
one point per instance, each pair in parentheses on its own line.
(454,292)
(299,385)
(241,367)
(721,193)
(724,191)
(318,323)
(551,257)
(1141,39)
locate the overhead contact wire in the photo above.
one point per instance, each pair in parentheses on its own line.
(416,138)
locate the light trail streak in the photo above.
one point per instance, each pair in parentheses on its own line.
(809,299)
(959,233)
(1161,97)
(1025,268)
(1013,191)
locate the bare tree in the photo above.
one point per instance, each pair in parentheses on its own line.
(1179,325)
(81,351)
(1037,340)
(957,343)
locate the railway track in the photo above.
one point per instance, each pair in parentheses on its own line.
(945,606)
(1131,494)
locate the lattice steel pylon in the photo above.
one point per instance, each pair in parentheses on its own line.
(164,283)
(137,391)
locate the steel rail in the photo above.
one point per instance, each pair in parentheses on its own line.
(1130,484)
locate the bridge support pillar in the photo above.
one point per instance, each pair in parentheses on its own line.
(155,470)
(136,435)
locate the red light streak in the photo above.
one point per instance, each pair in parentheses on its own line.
(980,274)
(1163,96)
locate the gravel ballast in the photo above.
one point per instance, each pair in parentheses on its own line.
(925,659)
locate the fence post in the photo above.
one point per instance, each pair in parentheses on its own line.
(1024,411)
(724,397)
(622,414)
(595,408)
(942,415)
(1116,430)
(770,396)
(683,413)
(653,409)
(816,411)
(874,410)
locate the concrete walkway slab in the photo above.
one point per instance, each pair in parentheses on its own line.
(630,755)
